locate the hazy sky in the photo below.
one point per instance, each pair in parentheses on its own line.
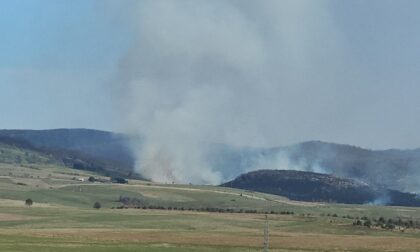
(339,71)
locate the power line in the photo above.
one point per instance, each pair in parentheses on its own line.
(266,234)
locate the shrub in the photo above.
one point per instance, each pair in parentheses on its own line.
(381,220)
(29,202)
(119,180)
(97,205)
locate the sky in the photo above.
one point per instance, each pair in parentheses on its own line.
(55,58)
(261,73)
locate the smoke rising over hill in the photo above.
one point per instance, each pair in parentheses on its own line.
(246,73)
(110,153)
(223,71)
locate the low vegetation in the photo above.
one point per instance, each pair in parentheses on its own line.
(141,203)
(390,223)
(97,205)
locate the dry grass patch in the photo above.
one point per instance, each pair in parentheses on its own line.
(21,203)
(279,240)
(13,217)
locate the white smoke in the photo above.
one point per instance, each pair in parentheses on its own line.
(282,161)
(380,201)
(222,71)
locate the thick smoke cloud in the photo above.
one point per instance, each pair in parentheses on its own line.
(232,72)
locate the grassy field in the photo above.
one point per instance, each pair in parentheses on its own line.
(63,219)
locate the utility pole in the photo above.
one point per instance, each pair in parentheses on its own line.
(266,234)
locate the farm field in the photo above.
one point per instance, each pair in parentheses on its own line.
(62,218)
(61,228)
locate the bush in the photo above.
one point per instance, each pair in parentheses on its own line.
(92,179)
(29,202)
(119,180)
(97,205)
(132,202)
(367,223)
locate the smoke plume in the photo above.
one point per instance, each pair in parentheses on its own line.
(234,72)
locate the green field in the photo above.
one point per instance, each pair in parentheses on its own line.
(62,217)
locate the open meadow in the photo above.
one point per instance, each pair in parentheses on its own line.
(182,218)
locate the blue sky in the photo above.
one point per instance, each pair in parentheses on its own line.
(55,58)
(58,58)
(57,33)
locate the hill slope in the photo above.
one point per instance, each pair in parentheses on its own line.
(111,153)
(95,143)
(310,186)
(84,149)
(395,169)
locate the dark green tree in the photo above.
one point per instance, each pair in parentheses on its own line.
(97,205)
(29,202)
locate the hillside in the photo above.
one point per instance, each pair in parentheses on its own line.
(310,186)
(394,169)
(83,149)
(95,143)
(17,152)
(111,153)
